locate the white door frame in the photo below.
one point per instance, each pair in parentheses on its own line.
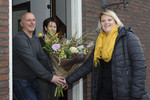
(10,52)
(74,15)
(77,27)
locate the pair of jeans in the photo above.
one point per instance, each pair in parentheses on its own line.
(26,90)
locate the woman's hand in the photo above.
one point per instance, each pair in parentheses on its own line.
(65,86)
(58,80)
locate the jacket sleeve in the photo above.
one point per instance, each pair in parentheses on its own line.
(138,66)
(82,71)
(22,48)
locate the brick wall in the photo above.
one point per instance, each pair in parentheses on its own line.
(90,14)
(4,52)
(136,15)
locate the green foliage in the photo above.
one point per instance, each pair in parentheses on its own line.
(68,53)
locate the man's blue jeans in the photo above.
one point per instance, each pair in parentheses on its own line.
(26,89)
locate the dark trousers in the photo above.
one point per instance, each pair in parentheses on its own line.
(47,90)
(26,90)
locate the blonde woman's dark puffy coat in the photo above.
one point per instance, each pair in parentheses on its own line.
(128,69)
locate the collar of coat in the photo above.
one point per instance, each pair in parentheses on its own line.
(123,31)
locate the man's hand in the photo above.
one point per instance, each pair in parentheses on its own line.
(58,80)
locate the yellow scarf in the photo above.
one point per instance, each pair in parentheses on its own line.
(105,46)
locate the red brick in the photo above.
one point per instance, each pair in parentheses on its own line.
(89,5)
(4,43)
(4,3)
(3,77)
(4,9)
(4,57)
(4,70)
(4,91)
(4,36)
(89,14)
(4,63)
(90,10)
(4,84)
(3,29)
(3,23)
(4,16)
(94,2)
(5,97)
(3,51)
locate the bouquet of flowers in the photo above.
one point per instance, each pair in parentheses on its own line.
(66,55)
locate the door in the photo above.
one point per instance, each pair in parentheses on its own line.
(70,13)
(16,18)
(17,11)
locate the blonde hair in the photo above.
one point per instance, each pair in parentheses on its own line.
(113,15)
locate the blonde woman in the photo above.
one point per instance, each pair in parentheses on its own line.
(117,63)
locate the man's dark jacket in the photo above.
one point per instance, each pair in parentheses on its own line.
(128,69)
(29,60)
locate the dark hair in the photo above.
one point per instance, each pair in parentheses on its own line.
(46,22)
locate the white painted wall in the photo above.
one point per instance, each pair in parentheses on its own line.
(39,8)
(74,25)
(10,53)
(61,10)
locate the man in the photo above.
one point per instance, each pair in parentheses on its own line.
(29,62)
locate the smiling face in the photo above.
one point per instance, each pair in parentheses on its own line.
(51,26)
(28,23)
(107,23)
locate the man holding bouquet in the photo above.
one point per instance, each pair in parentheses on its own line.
(30,62)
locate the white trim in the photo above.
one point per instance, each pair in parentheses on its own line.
(10,51)
(76,23)
(76,14)
(77,90)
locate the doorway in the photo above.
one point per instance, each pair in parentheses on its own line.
(17,12)
(70,23)
(59,12)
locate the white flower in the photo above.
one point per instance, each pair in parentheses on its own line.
(73,50)
(80,47)
(90,44)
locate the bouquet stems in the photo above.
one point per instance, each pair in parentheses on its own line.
(59,91)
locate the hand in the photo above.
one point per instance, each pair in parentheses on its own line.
(58,80)
(65,86)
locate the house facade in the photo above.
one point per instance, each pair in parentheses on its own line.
(82,16)
(4,50)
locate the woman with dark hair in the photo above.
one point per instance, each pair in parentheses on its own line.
(47,89)
(49,24)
